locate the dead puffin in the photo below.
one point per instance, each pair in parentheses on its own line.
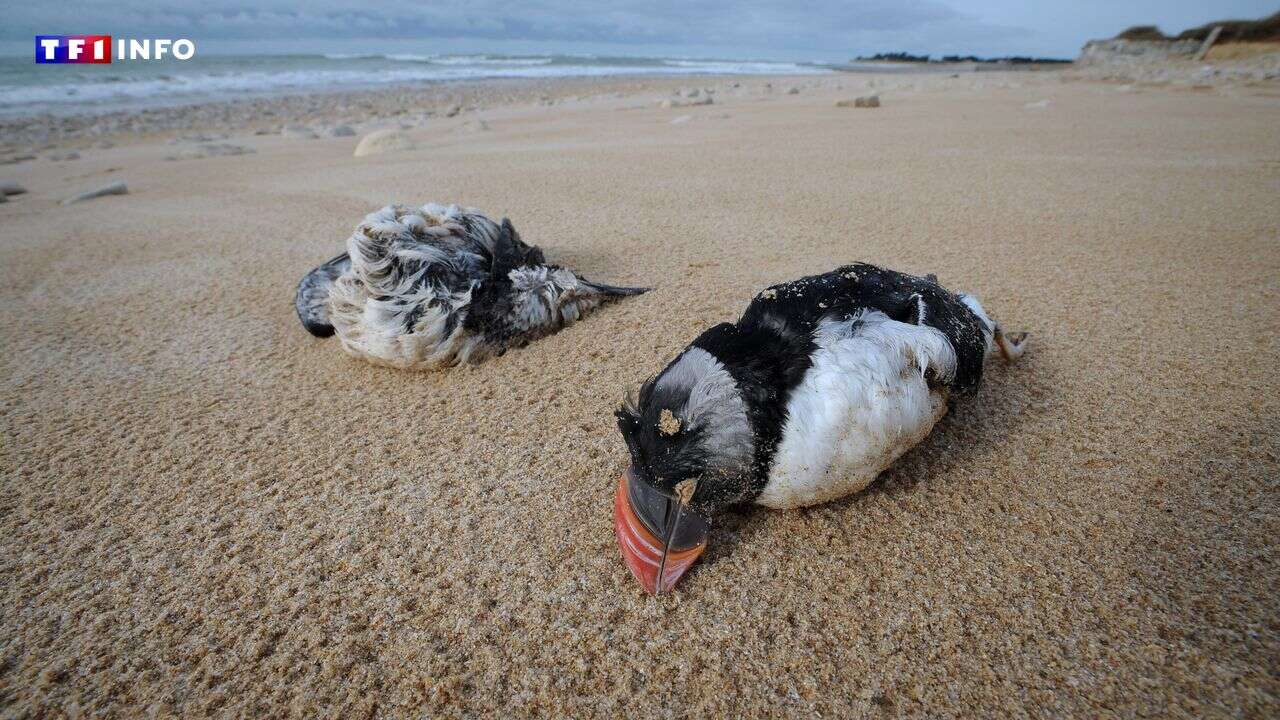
(821,384)
(431,287)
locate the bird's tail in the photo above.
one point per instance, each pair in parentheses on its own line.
(610,291)
(312,298)
(1011,346)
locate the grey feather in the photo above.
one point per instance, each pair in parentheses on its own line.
(430,287)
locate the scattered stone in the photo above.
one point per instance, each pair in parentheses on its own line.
(668,103)
(298,132)
(212,150)
(342,131)
(198,138)
(380,141)
(453,111)
(793,90)
(866,101)
(692,93)
(11,188)
(116,188)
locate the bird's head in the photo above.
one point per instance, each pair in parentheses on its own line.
(692,454)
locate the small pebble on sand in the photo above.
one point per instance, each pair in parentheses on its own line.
(380,141)
(212,150)
(298,132)
(866,101)
(116,188)
(703,100)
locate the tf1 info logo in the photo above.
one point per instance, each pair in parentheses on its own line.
(96,49)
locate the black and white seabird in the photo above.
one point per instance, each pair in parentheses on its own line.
(820,385)
(431,287)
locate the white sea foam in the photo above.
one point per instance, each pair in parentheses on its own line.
(487,60)
(736,67)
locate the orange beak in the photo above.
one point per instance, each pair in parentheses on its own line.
(659,536)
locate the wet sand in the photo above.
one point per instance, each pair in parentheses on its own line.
(206,511)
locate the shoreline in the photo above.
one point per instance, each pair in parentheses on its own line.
(412,102)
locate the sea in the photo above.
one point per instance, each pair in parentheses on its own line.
(27,88)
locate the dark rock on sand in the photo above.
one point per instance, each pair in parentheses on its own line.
(866,101)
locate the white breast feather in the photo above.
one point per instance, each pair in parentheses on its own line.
(861,405)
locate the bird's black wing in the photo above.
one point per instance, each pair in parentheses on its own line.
(849,290)
(312,298)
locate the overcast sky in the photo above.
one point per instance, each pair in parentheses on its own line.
(784,29)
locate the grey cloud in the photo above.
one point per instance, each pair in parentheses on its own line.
(798,23)
(760,28)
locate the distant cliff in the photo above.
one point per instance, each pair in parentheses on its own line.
(1131,52)
(1146,44)
(1265,30)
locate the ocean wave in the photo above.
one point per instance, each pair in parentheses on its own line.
(409,57)
(443,59)
(743,67)
(490,60)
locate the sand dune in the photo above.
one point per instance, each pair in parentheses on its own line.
(207,511)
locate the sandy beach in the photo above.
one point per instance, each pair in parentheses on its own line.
(207,512)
